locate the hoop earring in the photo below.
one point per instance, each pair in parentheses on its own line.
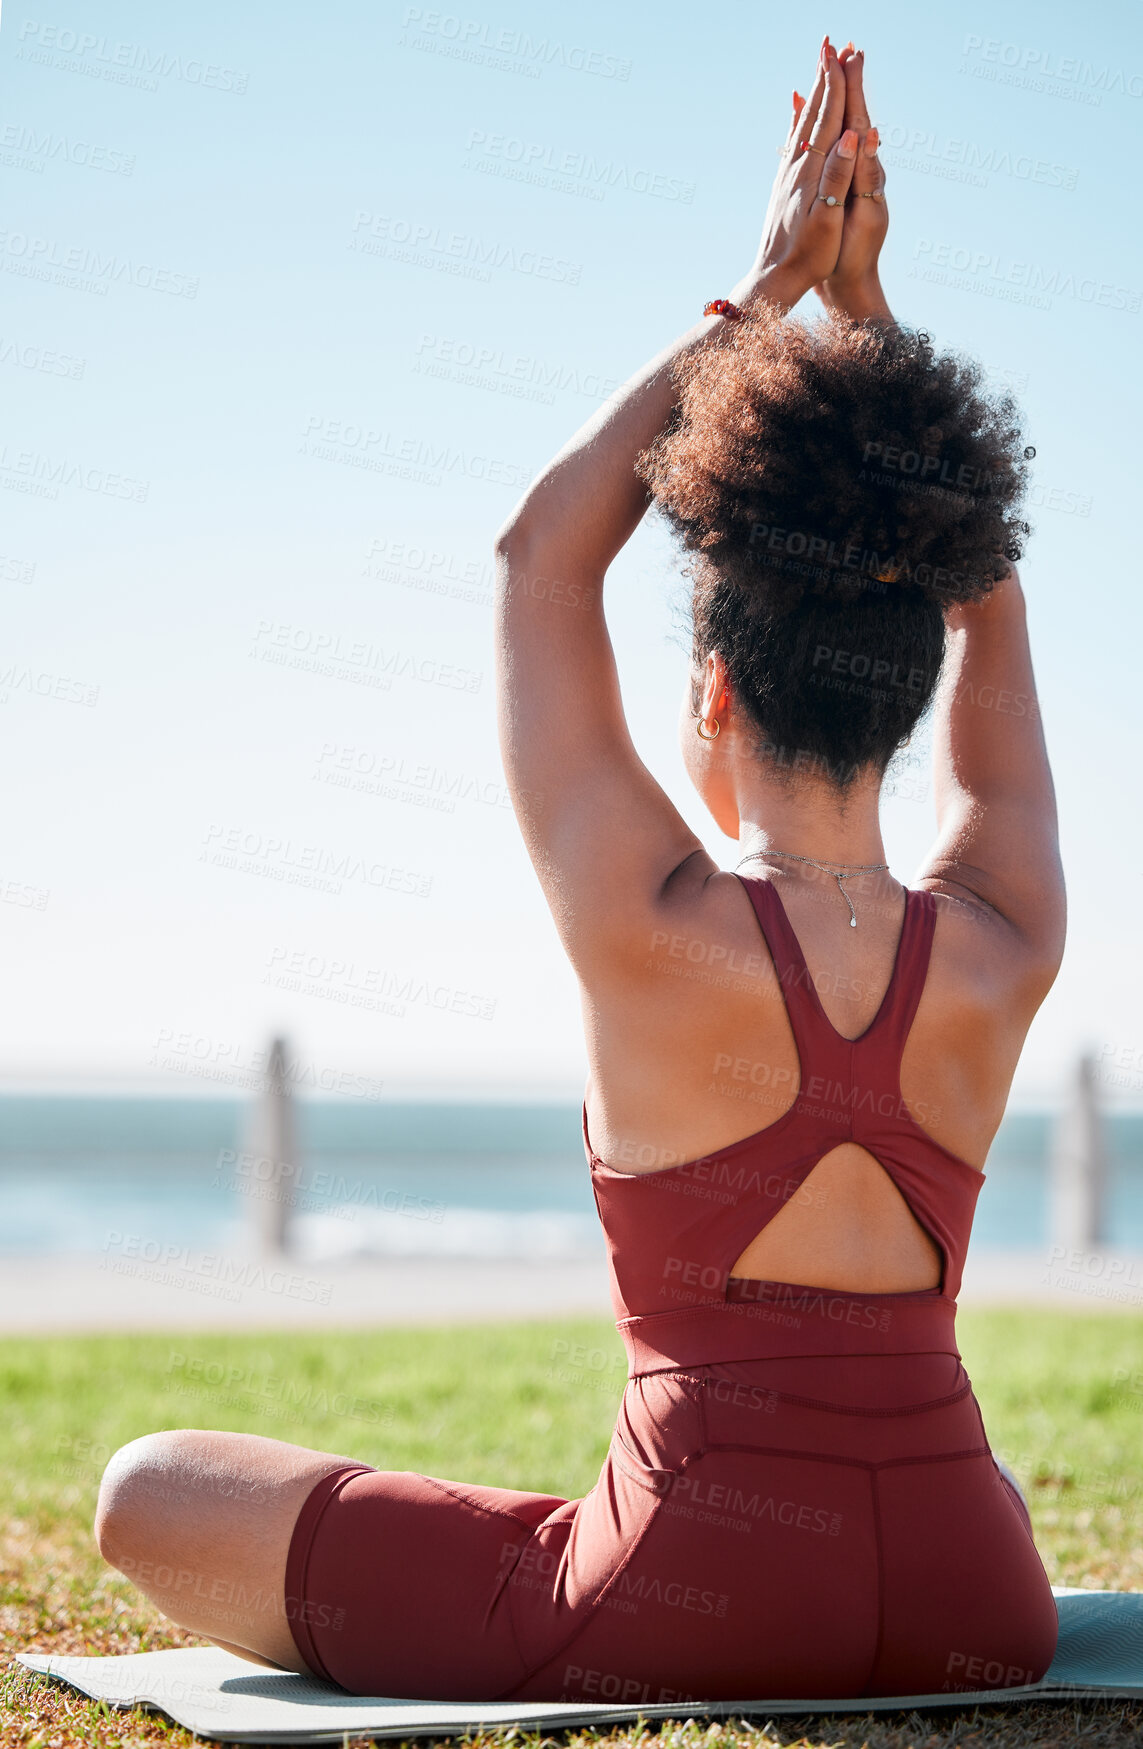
(702,734)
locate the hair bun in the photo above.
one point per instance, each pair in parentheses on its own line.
(838,459)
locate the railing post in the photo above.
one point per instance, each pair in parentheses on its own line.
(1079,1165)
(272,1140)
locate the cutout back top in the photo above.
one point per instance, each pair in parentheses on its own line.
(673,1235)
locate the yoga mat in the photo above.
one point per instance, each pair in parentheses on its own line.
(216,1695)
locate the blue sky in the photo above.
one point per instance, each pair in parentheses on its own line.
(295,303)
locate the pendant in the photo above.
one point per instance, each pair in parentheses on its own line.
(852,913)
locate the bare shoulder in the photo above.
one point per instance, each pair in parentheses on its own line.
(692,959)
(688,1038)
(701,916)
(985,962)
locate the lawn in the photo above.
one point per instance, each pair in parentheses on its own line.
(529,1406)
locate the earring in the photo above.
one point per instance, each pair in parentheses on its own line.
(702,734)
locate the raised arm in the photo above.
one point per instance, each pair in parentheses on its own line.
(997,841)
(605,839)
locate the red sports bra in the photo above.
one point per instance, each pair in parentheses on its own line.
(673,1236)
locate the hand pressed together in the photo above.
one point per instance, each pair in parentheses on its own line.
(827,219)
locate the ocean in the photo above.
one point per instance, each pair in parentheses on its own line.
(414,1179)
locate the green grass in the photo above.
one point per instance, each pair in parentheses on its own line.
(478,1401)
(528,1406)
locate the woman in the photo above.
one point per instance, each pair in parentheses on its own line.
(799,1498)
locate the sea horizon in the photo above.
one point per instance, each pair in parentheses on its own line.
(455,1177)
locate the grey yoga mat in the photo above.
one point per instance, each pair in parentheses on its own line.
(216,1695)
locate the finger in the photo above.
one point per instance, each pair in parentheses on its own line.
(830,118)
(845,61)
(813,102)
(856,110)
(868,170)
(837,175)
(792,133)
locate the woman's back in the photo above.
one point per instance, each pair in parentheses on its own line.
(693,1050)
(843,1190)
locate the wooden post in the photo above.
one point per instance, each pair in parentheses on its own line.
(1079,1165)
(272,1140)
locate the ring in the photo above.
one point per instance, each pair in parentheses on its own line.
(877,194)
(830,199)
(806,147)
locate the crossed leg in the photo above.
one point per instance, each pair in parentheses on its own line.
(201,1523)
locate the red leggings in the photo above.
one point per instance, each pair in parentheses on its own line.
(809,1525)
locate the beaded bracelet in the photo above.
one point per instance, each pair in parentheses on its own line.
(722,307)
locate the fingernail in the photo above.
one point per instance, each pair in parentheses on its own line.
(847,145)
(872,141)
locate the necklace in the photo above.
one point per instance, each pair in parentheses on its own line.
(841,871)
